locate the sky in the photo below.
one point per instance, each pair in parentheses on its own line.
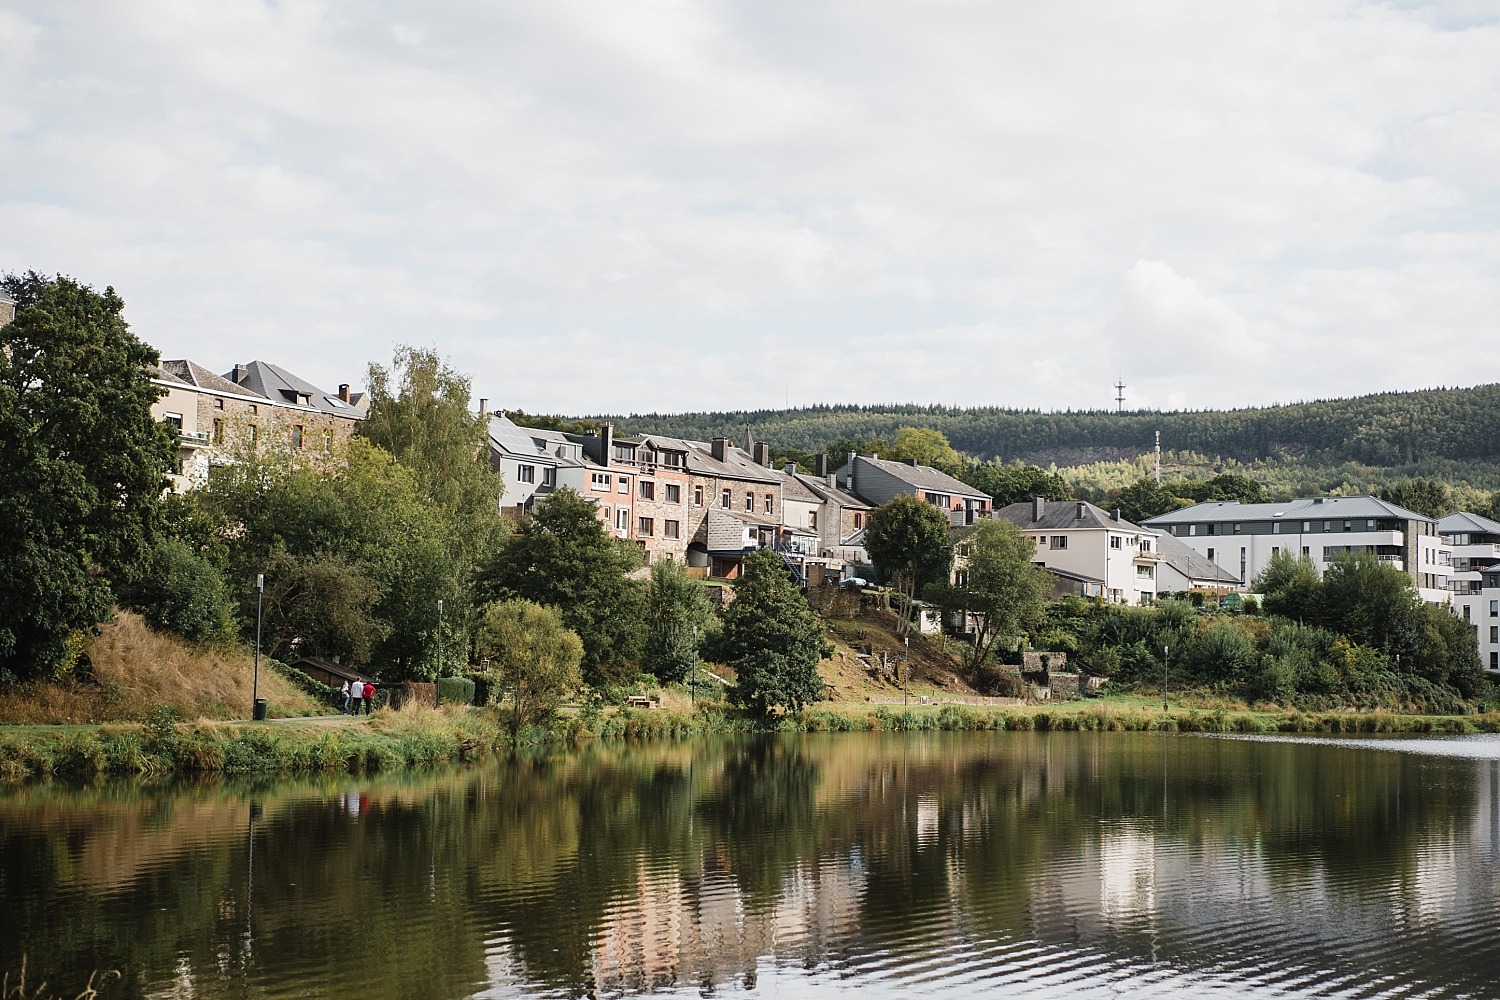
(665,206)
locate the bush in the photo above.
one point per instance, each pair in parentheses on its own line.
(456,690)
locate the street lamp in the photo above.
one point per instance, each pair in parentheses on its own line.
(437,678)
(260,600)
(1165,652)
(906,671)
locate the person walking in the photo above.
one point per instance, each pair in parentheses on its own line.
(345,692)
(369,697)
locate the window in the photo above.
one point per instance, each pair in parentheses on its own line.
(646,489)
(327,440)
(622,518)
(1145,545)
(1115,541)
(525,473)
(1494,660)
(1495,633)
(219,430)
(770,506)
(1495,609)
(1236,529)
(726,499)
(625,484)
(812,520)
(645,526)
(549,476)
(1346,525)
(175,419)
(674,493)
(599,480)
(960,578)
(1306,550)
(1210,555)
(671,529)
(1306,526)
(1143,572)
(1467,609)
(1192,529)
(697,496)
(859,521)
(1276,550)
(254,435)
(1059,541)
(254,408)
(750,501)
(218,404)
(1275,527)
(297,436)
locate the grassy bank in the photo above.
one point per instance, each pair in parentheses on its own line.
(422,736)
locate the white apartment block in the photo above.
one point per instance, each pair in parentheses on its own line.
(1475,579)
(1241,538)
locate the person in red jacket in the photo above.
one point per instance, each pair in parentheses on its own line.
(369,696)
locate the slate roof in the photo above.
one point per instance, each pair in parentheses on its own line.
(1190,563)
(281,386)
(923,477)
(196,375)
(1465,523)
(831,494)
(737,464)
(1058,515)
(1310,509)
(533,443)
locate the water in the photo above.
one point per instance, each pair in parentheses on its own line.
(1042,865)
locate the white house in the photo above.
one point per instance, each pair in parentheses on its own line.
(1076,538)
(1241,538)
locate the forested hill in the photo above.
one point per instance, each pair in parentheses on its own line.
(1387,429)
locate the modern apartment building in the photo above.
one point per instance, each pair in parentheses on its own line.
(1241,538)
(1475,579)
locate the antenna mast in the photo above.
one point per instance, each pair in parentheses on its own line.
(1158,458)
(1120,397)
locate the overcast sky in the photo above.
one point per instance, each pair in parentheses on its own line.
(602,207)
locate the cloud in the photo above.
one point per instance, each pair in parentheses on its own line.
(661,205)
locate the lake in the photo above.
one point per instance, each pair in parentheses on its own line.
(882,865)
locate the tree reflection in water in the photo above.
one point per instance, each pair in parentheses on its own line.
(865,858)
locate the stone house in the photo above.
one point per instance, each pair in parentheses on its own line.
(877,481)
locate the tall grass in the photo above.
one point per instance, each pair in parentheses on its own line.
(136,670)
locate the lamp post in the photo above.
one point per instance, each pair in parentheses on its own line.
(693,672)
(1165,652)
(260,600)
(906,671)
(437,678)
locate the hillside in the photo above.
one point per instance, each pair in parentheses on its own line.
(1387,429)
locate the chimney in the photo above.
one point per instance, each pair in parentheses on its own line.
(762,454)
(790,468)
(606,442)
(719,448)
(1081,507)
(820,465)
(484,407)
(1116,514)
(911,462)
(344,392)
(1038,507)
(238,375)
(849,479)
(833,480)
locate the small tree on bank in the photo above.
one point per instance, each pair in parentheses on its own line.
(538,657)
(908,540)
(771,639)
(1004,592)
(678,617)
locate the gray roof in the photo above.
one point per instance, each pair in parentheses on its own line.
(1464,523)
(196,375)
(1061,514)
(534,444)
(923,477)
(1070,575)
(726,529)
(831,494)
(281,386)
(1310,509)
(1190,563)
(738,463)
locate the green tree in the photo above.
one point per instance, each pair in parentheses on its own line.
(82,465)
(1001,590)
(771,639)
(908,540)
(1226,486)
(419,413)
(1008,484)
(1290,585)
(678,617)
(1146,499)
(182,592)
(564,558)
(537,656)
(927,447)
(1423,496)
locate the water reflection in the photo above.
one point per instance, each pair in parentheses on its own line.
(1058,864)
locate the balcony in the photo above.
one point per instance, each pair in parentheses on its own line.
(194,438)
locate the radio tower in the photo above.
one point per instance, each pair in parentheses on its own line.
(1120,397)
(1158,458)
